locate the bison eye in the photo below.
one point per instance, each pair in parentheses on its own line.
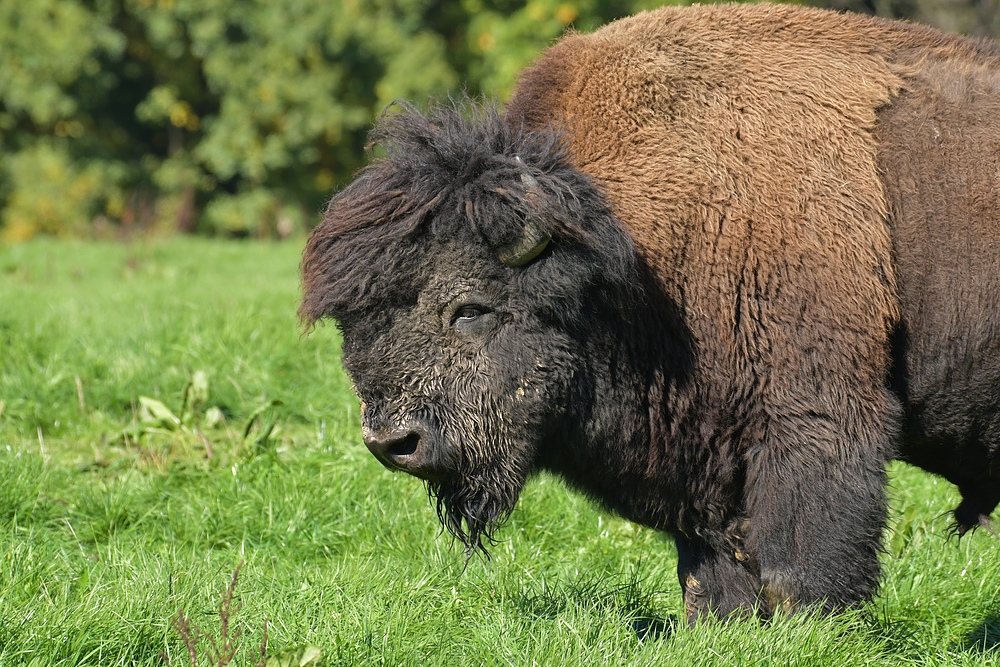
(466,314)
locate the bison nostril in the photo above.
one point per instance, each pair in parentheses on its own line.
(406,446)
(411,449)
(395,448)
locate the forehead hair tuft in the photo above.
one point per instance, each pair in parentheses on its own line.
(458,170)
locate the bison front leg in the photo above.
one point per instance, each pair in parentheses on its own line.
(815,501)
(721,583)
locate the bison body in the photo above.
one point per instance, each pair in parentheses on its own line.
(715,266)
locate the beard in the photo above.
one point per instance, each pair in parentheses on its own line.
(473,507)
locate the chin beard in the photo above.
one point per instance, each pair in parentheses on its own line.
(472,511)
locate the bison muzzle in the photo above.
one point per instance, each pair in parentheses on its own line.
(714,266)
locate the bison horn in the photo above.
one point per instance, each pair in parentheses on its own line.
(528,180)
(533,239)
(531,244)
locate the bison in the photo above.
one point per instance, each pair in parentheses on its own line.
(714,266)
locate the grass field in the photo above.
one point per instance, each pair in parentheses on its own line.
(163,420)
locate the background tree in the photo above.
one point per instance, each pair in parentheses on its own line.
(240,117)
(971,17)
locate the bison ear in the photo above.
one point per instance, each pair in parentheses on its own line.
(533,239)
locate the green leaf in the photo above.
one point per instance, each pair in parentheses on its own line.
(153,413)
(195,396)
(305,656)
(213,417)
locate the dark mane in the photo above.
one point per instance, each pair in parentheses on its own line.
(459,161)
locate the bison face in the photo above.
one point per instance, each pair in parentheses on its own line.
(464,386)
(468,335)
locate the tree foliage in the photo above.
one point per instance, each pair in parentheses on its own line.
(239,118)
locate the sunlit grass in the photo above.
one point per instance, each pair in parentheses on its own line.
(111,523)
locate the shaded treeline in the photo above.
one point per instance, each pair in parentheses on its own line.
(239,118)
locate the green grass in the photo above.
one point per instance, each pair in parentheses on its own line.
(112,520)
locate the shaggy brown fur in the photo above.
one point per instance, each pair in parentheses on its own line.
(804,184)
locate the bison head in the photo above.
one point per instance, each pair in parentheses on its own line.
(468,270)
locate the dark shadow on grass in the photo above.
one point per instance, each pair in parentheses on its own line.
(631,599)
(900,639)
(903,638)
(654,627)
(985,639)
